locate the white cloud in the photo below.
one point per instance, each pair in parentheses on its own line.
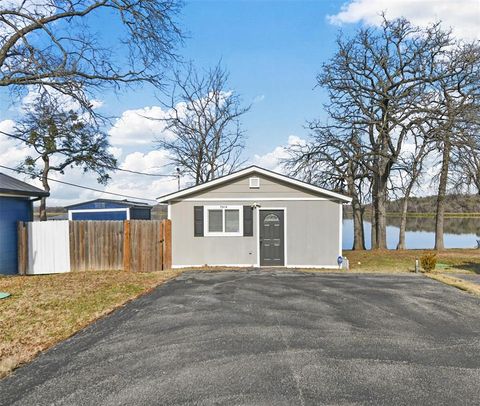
(116,152)
(149,162)
(259,98)
(136,127)
(462,16)
(64,101)
(272,160)
(13,151)
(143,126)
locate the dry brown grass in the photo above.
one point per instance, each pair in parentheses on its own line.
(469,287)
(46,309)
(451,260)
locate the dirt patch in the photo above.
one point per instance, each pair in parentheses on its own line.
(462,284)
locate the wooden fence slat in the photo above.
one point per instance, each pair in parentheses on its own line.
(126,245)
(22,248)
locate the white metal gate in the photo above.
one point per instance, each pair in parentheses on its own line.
(48,247)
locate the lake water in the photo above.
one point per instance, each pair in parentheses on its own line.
(459,233)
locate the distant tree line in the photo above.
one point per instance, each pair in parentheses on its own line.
(454,203)
(403,109)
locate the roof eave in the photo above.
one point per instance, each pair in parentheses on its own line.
(23,193)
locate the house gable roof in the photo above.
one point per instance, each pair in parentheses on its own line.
(247,171)
(15,187)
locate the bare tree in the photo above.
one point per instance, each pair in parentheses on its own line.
(204,118)
(51,43)
(378,82)
(334,161)
(466,162)
(455,109)
(410,168)
(61,139)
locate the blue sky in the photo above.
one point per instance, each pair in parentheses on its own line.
(273,51)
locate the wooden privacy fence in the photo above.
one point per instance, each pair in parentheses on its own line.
(131,245)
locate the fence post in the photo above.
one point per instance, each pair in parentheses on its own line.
(126,246)
(161,241)
(22,247)
(167,244)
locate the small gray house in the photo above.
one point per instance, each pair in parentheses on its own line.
(256,217)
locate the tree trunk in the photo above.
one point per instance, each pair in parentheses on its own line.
(43,200)
(381,221)
(373,231)
(380,203)
(358,231)
(403,221)
(403,224)
(442,191)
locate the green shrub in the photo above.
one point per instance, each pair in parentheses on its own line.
(428,262)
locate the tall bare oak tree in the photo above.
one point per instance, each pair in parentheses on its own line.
(204,119)
(377,83)
(456,106)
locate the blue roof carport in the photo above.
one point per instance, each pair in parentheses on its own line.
(109,209)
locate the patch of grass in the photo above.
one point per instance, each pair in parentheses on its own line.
(46,309)
(469,287)
(452,260)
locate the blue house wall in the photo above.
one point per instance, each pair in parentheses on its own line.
(12,210)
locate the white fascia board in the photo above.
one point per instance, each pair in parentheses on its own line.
(247,171)
(251,199)
(72,211)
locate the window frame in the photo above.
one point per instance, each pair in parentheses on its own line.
(222,233)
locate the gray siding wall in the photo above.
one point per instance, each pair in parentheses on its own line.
(312,228)
(239,188)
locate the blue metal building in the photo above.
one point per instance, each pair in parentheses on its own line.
(106,209)
(16,204)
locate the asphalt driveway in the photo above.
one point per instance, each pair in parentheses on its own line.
(269,338)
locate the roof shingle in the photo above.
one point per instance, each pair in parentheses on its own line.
(12,186)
